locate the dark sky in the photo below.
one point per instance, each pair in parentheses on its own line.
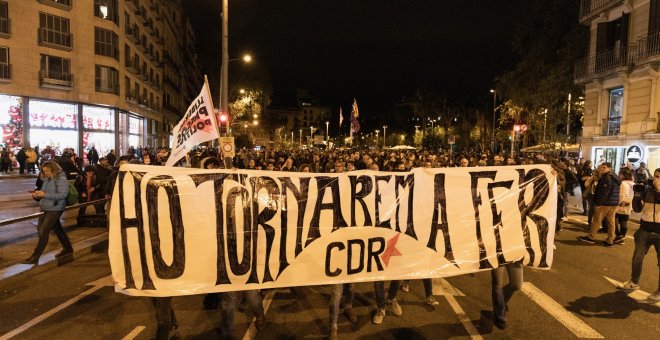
(374,50)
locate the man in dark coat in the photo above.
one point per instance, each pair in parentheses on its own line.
(93,156)
(606,199)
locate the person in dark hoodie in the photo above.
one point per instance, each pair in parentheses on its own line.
(606,199)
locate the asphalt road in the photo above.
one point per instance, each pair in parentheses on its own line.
(572,300)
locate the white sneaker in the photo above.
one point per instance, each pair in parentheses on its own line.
(395,308)
(628,285)
(377,319)
(655,297)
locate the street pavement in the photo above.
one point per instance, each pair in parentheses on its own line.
(575,299)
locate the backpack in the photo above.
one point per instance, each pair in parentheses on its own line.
(72,197)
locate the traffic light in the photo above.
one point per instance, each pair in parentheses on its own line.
(224,122)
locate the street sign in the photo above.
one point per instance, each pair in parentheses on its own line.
(452,140)
(227,146)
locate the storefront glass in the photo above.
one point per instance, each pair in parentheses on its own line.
(11,121)
(53,124)
(99,125)
(653,158)
(614,155)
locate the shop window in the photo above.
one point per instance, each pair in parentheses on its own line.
(107,79)
(612,124)
(55,72)
(5,66)
(106,43)
(5,23)
(106,9)
(54,31)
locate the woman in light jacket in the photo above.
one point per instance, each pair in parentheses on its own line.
(52,200)
(626,195)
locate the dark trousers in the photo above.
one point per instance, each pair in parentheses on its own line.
(228,303)
(21,167)
(50,220)
(379,288)
(621,225)
(165,317)
(644,240)
(501,293)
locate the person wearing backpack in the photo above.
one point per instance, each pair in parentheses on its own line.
(52,200)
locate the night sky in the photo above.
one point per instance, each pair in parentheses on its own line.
(375,51)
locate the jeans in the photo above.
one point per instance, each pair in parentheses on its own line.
(502,294)
(603,212)
(348,291)
(50,220)
(621,225)
(164,316)
(228,303)
(428,286)
(379,288)
(643,242)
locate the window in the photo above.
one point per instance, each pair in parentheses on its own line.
(61,4)
(107,79)
(127,87)
(612,124)
(5,66)
(106,9)
(127,56)
(4,19)
(106,43)
(55,71)
(54,31)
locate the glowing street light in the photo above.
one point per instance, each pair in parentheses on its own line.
(384,130)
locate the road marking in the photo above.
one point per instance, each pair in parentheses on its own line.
(252,329)
(639,295)
(570,321)
(448,291)
(134,333)
(99,284)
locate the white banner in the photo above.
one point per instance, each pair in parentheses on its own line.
(179,231)
(197,126)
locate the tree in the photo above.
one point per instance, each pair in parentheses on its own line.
(549,41)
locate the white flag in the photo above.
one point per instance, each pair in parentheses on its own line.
(198,125)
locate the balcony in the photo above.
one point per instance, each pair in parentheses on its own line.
(5,72)
(59,80)
(133,5)
(114,89)
(132,96)
(61,4)
(5,27)
(589,9)
(611,126)
(149,26)
(646,49)
(55,39)
(612,60)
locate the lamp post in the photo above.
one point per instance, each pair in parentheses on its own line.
(492,141)
(545,120)
(300,138)
(568,120)
(292,139)
(327,134)
(377,133)
(311,135)
(384,140)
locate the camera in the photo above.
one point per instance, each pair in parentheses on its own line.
(640,187)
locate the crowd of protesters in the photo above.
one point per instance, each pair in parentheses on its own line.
(607,200)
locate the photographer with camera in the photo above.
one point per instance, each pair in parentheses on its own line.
(646,201)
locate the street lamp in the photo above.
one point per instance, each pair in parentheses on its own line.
(433,121)
(492,142)
(384,130)
(327,134)
(300,138)
(311,135)
(377,133)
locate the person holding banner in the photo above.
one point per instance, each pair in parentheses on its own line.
(502,294)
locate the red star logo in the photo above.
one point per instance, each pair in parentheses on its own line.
(391,250)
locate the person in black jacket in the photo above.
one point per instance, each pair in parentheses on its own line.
(606,199)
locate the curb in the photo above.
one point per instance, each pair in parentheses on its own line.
(16,197)
(48,261)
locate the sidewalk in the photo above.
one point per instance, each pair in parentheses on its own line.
(85,240)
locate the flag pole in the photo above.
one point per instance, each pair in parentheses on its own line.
(215,117)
